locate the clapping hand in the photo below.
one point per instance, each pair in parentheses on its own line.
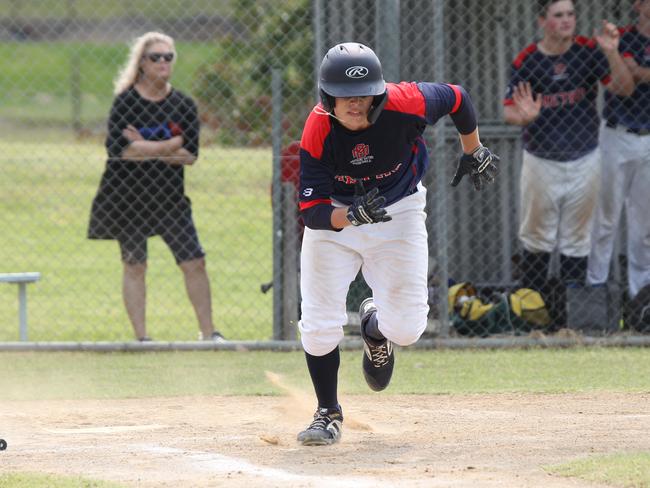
(528,104)
(608,38)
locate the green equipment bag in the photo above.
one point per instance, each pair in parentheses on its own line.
(528,310)
(513,313)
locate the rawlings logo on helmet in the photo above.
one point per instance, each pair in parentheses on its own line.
(356,72)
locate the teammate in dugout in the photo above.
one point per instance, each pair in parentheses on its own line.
(153,133)
(552,93)
(625,141)
(362,157)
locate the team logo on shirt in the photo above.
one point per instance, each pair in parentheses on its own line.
(559,72)
(563,99)
(361,154)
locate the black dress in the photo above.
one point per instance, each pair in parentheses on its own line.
(143,198)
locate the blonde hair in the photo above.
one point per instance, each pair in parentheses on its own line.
(130,72)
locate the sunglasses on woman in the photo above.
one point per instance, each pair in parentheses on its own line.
(155,57)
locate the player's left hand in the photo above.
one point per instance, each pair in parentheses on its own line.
(480,166)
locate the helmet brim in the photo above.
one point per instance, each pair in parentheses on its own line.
(342,90)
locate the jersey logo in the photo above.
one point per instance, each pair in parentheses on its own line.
(563,99)
(361,154)
(356,72)
(360,150)
(559,72)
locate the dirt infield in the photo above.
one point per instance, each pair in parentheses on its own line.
(428,441)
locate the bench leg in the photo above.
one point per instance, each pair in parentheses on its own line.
(22,310)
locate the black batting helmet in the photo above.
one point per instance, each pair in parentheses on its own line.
(352,70)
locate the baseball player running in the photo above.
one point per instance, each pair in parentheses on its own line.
(552,94)
(362,158)
(625,142)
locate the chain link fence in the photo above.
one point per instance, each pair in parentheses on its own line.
(249,68)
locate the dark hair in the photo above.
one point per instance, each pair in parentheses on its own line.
(543,5)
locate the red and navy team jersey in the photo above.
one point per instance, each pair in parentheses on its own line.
(633,111)
(390,154)
(567,126)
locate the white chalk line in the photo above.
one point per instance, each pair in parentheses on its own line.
(215,464)
(115,429)
(218,463)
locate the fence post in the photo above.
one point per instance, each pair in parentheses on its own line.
(75,75)
(317,23)
(387,38)
(440,200)
(276,137)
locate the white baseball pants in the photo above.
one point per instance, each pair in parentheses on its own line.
(625,181)
(557,203)
(393,257)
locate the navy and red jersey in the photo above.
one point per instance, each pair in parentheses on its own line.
(567,126)
(633,111)
(390,154)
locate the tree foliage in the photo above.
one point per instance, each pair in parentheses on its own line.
(234,90)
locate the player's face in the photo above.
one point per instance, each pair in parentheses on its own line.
(560,21)
(642,7)
(156,61)
(352,112)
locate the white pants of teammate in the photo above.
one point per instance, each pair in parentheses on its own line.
(393,257)
(625,181)
(557,203)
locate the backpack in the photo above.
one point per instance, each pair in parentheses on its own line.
(529,309)
(509,313)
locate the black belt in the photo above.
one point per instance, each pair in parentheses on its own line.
(638,132)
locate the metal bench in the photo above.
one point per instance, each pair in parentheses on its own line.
(21,279)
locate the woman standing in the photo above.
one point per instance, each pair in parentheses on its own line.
(153,133)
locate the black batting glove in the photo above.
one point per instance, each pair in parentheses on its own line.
(480,166)
(367,208)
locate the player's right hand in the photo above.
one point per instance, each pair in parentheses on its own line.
(367,208)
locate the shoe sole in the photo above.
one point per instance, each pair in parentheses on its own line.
(317,441)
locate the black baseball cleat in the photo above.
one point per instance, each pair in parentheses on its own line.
(378,357)
(325,429)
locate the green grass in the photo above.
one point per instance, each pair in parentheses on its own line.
(80,375)
(97,9)
(46,192)
(34,480)
(35,86)
(627,470)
